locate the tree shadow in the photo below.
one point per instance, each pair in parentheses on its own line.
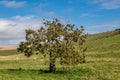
(38,71)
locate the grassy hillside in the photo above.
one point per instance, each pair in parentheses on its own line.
(103,63)
(105,44)
(103,35)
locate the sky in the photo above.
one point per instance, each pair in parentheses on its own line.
(17,15)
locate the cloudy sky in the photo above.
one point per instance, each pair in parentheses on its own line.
(17,15)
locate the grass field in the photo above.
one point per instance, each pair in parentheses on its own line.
(103,63)
(8,52)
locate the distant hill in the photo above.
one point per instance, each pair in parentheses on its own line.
(8,47)
(103,35)
(8,50)
(102,42)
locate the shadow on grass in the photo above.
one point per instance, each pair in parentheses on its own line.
(39,71)
(77,71)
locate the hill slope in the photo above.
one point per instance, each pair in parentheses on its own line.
(8,47)
(102,42)
(103,35)
(8,50)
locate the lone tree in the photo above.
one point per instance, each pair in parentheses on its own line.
(59,41)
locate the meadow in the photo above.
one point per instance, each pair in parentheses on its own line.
(102,56)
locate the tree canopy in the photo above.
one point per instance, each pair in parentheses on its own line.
(59,41)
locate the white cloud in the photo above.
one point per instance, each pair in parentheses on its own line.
(14,28)
(88,15)
(108,4)
(51,13)
(12,4)
(3,23)
(23,18)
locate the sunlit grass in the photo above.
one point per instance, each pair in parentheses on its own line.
(96,68)
(102,64)
(105,44)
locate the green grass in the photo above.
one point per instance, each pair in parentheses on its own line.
(103,63)
(8,52)
(96,68)
(104,44)
(99,66)
(39,75)
(109,54)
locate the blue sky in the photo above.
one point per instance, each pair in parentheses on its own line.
(17,15)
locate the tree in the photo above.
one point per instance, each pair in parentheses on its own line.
(63,42)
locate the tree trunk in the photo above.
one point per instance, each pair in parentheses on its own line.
(84,61)
(52,66)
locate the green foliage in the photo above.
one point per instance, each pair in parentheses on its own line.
(58,41)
